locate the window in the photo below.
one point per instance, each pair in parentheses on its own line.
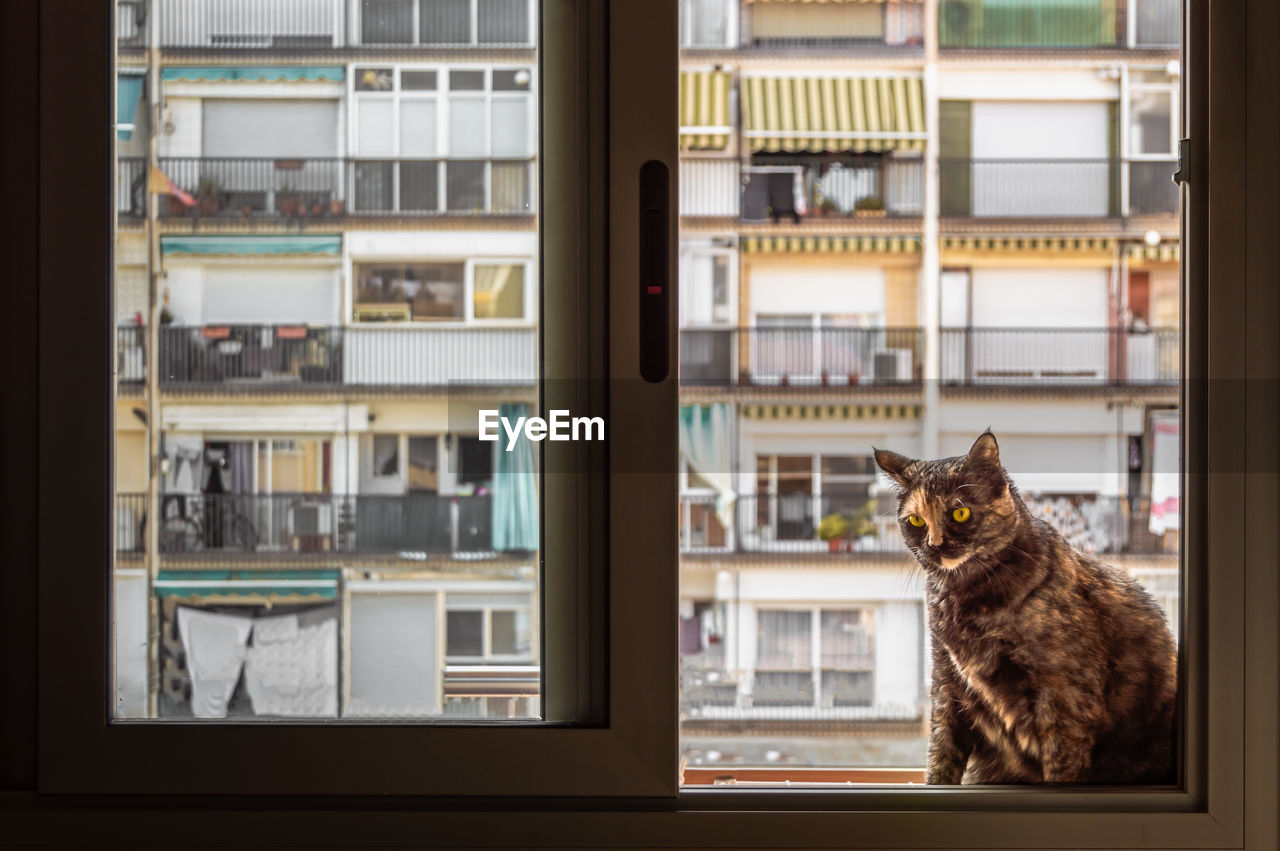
(708,23)
(707,277)
(475,461)
(445,22)
(488,633)
(830,667)
(472,291)
(386,455)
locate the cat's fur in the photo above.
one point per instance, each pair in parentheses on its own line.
(1048,666)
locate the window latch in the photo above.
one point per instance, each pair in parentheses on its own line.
(1182,175)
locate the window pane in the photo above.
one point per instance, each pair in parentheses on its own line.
(465,634)
(386,455)
(499,292)
(386,21)
(419,186)
(1151,119)
(417,80)
(476,461)
(374,136)
(503,21)
(445,21)
(510,126)
(417,128)
(466,126)
(784,640)
(466,81)
(510,190)
(511,81)
(505,640)
(423,468)
(373,185)
(465,186)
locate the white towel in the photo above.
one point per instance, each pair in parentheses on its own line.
(215,648)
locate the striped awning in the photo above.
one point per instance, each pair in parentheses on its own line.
(762,2)
(128,95)
(253,73)
(240,246)
(1155,253)
(704,110)
(831,412)
(833,113)
(311,584)
(1027,243)
(831,244)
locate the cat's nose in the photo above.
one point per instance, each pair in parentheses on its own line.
(935,538)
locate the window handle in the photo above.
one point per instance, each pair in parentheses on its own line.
(655,253)
(1182,175)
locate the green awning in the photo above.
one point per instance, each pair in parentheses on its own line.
(128,93)
(321,584)
(252,73)
(240,246)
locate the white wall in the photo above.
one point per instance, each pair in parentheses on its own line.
(782,289)
(1039,130)
(1050,463)
(234,292)
(1026,84)
(129,644)
(1040,298)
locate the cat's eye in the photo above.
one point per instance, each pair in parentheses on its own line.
(915,520)
(961,514)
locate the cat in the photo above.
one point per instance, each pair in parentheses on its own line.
(1048,666)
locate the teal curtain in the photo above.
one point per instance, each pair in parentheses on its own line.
(515,488)
(705,446)
(128,93)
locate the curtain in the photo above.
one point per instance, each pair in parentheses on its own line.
(1164,474)
(515,484)
(705,447)
(185,454)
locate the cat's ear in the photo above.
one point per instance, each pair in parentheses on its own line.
(894,466)
(985,452)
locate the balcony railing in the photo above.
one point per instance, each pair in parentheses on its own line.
(788,524)
(318,24)
(800,357)
(797,188)
(131,354)
(1151,187)
(1019,188)
(302,356)
(131,515)
(326,187)
(1056,357)
(310,523)
(710,188)
(131,187)
(1057,24)
(131,24)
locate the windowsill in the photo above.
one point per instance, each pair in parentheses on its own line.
(789,777)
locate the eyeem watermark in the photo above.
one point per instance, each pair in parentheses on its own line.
(560,426)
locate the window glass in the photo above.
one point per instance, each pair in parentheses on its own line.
(417,128)
(386,21)
(466,126)
(423,291)
(445,21)
(511,81)
(475,464)
(465,186)
(1151,121)
(424,473)
(509,187)
(504,640)
(386,455)
(374,123)
(464,634)
(373,79)
(502,21)
(419,186)
(418,80)
(498,291)
(466,81)
(510,127)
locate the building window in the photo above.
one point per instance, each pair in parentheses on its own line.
(475,461)
(708,292)
(487,633)
(386,456)
(822,658)
(459,291)
(707,23)
(452,22)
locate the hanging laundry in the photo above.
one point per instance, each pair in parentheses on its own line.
(215,648)
(292,670)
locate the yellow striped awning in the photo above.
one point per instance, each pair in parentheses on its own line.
(1155,253)
(1027,243)
(830,244)
(749,2)
(833,113)
(704,110)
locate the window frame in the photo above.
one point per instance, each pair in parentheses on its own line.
(1228,794)
(473,28)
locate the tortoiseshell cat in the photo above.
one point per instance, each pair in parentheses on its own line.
(1048,666)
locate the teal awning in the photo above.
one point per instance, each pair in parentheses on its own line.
(128,93)
(253,73)
(245,583)
(240,246)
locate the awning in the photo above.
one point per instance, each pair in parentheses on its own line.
(128,94)
(831,113)
(1155,253)
(704,110)
(313,584)
(252,73)
(831,412)
(1027,243)
(780,2)
(832,244)
(239,246)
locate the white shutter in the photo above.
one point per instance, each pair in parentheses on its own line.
(396,661)
(270,128)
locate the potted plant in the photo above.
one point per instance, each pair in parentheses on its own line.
(245,211)
(208,196)
(173,206)
(287,201)
(827,207)
(869,206)
(833,529)
(317,209)
(337,206)
(863,526)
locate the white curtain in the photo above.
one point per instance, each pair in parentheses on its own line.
(705,447)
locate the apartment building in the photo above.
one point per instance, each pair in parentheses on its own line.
(338,261)
(897,233)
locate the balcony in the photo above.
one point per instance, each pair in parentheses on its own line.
(1060,357)
(1058,24)
(787,524)
(131,24)
(800,357)
(868,28)
(131,351)
(324,24)
(322,188)
(795,188)
(1056,188)
(290,523)
(293,357)
(131,187)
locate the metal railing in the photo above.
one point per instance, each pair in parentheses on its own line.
(1054,357)
(800,357)
(710,187)
(385,355)
(318,24)
(788,524)
(795,188)
(1026,187)
(131,354)
(1030,23)
(311,523)
(265,355)
(328,187)
(131,24)
(131,519)
(131,187)
(1151,187)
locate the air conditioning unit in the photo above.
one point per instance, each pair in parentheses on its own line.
(312,527)
(892,365)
